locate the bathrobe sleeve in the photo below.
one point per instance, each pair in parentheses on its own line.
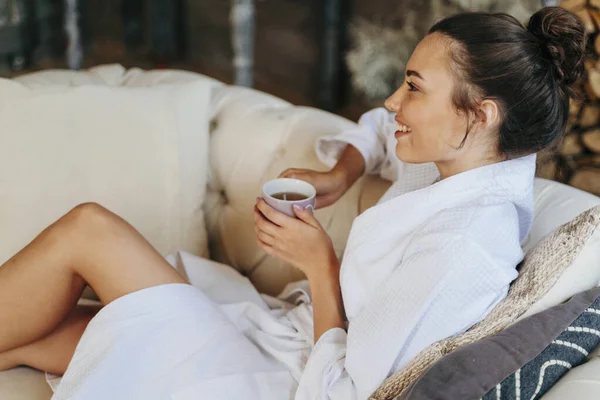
(369,138)
(437,291)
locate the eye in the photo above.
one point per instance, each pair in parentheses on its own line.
(411,87)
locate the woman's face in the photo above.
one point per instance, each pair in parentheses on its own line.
(429,127)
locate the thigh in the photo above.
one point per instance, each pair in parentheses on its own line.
(114,258)
(53,352)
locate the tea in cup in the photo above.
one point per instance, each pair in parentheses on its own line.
(283,193)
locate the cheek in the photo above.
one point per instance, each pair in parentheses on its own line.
(433,132)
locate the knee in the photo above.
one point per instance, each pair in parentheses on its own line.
(88,211)
(87,217)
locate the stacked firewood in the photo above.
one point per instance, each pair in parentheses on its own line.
(577,159)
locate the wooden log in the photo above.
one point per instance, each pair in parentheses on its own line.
(589,116)
(570,146)
(572,5)
(589,64)
(547,169)
(595,17)
(574,107)
(568,128)
(586,19)
(591,140)
(589,160)
(592,84)
(587,179)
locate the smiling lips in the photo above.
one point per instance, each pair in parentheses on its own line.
(402,129)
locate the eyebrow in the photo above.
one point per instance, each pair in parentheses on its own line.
(410,72)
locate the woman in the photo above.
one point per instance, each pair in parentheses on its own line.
(482,95)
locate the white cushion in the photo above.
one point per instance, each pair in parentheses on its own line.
(111,75)
(140,77)
(140,152)
(556,204)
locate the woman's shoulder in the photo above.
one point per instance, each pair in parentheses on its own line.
(479,234)
(480,222)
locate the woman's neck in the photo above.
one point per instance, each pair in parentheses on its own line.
(464,163)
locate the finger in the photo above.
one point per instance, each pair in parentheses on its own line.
(270,250)
(265,238)
(272,214)
(287,173)
(306,215)
(264,224)
(291,173)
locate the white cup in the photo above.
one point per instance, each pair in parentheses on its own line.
(289,185)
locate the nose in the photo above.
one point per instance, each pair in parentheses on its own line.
(394,102)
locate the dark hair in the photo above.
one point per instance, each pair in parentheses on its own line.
(529,72)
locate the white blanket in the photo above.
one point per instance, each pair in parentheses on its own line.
(218,340)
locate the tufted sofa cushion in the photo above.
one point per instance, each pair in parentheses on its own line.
(254,137)
(111,75)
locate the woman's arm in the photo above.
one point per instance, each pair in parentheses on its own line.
(333,184)
(349,167)
(328,309)
(349,155)
(304,243)
(369,138)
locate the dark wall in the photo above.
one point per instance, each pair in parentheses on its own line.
(195,35)
(287,44)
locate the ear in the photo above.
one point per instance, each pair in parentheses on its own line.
(488,115)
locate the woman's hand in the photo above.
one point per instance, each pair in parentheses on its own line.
(330,185)
(333,184)
(302,242)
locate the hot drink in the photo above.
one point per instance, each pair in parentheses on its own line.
(283,193)
(289,196)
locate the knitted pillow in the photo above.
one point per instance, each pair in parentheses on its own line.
(539,272)
(570,349)
(527,358)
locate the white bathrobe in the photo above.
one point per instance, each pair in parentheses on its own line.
(427,262)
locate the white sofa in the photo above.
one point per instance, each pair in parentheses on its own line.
(253,137)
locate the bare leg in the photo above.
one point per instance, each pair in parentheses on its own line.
(40,285)
(52,353)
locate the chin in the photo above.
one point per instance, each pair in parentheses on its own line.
(408,155)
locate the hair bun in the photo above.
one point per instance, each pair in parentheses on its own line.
(563,39)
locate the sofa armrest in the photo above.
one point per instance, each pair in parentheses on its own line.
(581,383)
